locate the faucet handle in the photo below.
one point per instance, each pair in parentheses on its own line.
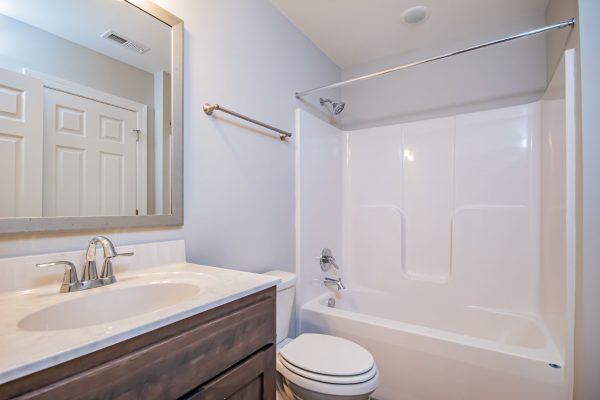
(70,277)
(107,275)
(327,260)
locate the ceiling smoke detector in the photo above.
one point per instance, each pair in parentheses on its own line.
(125,41)
(415,15)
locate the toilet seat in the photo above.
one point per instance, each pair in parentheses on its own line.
(328,365)
(333,379)
(328,388)
(328,355)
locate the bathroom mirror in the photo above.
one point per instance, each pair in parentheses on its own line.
(90,115)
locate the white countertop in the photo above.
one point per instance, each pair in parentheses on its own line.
(23,352)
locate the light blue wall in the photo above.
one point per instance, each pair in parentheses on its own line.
(239,184)
(587,329)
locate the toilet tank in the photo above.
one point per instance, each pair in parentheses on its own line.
(286,290)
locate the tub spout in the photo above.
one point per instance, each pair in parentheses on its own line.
(339,285)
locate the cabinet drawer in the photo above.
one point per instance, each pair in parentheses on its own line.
(163,364)
(252,379)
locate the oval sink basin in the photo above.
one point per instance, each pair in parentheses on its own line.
(108,306)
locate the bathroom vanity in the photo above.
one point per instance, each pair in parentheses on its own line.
(171,330)
(227,352)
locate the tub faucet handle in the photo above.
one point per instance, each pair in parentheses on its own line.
(327,260)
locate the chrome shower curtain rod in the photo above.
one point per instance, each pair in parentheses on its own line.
(559,25)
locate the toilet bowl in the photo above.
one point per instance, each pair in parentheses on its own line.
(315,366)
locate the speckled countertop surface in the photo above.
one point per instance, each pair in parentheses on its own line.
(26,348)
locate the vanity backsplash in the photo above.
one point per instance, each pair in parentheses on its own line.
(21,273)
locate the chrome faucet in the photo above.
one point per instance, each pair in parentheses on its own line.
(339,285)
(90,272)
(89,277)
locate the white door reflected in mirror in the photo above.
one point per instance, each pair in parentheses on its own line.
(85,117)
(21,145)
(90,157)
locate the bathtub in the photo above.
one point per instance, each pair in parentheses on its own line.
(443,352)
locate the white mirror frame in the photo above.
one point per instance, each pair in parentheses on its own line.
(57,224)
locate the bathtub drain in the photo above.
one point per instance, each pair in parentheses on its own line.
(331,302)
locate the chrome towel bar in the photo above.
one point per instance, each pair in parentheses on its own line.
(210,108)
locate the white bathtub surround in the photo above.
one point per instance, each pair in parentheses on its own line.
(460,199)
(319,157)
(28,347)
(558,247)
(457,247)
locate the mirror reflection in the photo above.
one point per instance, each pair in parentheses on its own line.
(85,109)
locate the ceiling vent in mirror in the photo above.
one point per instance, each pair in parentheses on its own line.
(126,42)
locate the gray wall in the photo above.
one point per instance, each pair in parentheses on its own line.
(558,41)
(239,183)
(503,75)
(587,329)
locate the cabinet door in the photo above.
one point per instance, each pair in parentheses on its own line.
(252,379)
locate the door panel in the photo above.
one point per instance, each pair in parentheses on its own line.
(70,166)
(91,147)
(111,182)
(20,145)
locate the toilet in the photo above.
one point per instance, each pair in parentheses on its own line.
(315,366)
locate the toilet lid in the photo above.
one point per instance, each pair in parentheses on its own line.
(355,391)
(327,355)
(332,379)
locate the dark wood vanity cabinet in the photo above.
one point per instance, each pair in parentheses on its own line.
(251,379)
(224,353)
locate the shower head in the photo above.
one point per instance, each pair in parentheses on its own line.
(337,108)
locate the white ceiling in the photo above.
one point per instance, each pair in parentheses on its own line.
(354,32)
(83,21)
